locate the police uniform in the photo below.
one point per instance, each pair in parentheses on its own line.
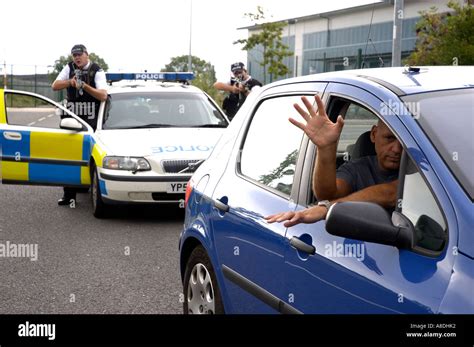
(233,102)
(230,105)
(94,76)
(249,84)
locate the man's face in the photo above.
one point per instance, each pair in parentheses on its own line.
(387,147)
(80,59)
(238,74)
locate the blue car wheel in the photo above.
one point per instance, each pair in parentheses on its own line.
(202,295)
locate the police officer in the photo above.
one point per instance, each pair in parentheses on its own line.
(240,85)
(86,83)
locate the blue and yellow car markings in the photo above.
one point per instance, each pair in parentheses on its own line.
(56,147)
(103,188)
(14,156)
(45,156)
(87,145)
(98,154)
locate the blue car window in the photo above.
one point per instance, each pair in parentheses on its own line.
(272,143)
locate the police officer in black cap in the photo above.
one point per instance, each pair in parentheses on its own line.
(240,85)
(86,83)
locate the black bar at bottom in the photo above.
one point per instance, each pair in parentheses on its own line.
(239,329)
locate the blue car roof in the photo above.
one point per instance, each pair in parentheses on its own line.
(400,80)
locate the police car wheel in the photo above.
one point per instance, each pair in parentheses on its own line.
(98,206)
(201,293)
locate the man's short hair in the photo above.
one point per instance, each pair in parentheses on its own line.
(78,49)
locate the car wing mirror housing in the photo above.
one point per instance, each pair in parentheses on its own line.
(370,222)
(70,124)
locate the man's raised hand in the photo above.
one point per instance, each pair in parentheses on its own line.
(319,128)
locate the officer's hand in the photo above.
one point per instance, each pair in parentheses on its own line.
(235,89)
(241,88)
(79,84)
(73,82)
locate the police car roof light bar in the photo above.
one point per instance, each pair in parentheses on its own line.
(183,77)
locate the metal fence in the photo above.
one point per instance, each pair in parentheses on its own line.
(30,78)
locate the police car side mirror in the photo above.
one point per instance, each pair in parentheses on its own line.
(370,222)
(70,124)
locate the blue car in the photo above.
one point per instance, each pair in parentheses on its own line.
(417,258)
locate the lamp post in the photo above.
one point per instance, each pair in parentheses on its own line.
(397,33)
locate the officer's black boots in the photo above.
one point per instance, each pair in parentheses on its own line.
(66,200)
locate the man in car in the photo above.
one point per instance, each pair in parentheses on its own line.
(370,178)
(86,84)
(238,88)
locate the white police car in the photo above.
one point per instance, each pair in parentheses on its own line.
(151,136)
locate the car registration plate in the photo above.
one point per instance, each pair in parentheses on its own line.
(178,187)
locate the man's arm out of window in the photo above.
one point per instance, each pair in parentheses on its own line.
(384,194)
(326,184)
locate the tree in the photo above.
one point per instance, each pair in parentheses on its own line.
(445,39)
(63,60)
(274,51)
(286,168)
(204,74)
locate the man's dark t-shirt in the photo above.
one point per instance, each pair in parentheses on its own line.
(364,172)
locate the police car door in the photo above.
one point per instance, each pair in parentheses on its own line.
(36,148)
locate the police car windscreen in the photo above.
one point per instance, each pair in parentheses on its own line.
(168,109)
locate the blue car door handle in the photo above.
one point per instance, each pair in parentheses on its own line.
(221,206)
(302,246)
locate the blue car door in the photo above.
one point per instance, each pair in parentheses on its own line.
(350,276)
(257,182)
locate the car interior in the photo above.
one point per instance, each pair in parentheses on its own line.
(355,137)
(355,142)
